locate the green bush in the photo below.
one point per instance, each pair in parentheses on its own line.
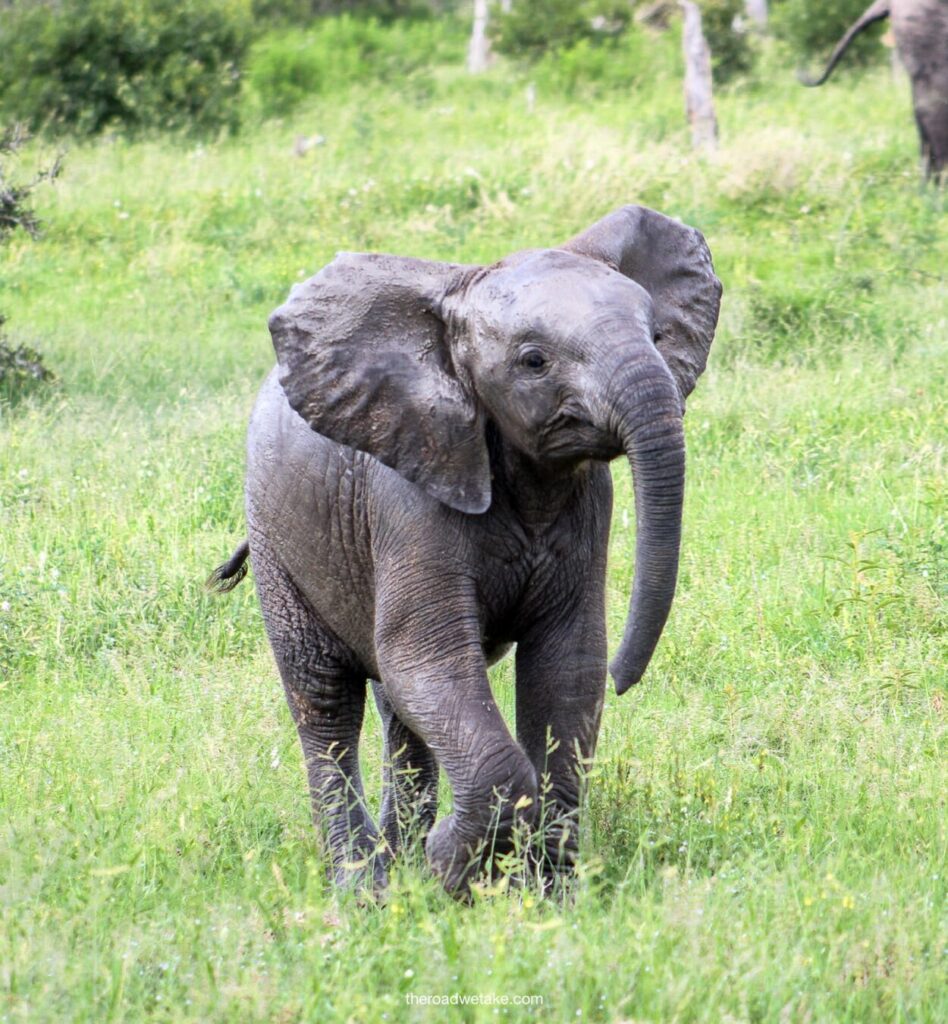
(296,12)
(88,65)
(533,28)
(22,372)
(732,52)
(813,27)
(15,211)
(288,66)
(621,63)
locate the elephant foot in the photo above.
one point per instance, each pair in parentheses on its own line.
(456,862)
(365,875)
(365,883)
(459,860)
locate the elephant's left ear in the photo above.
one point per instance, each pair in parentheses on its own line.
(673,264)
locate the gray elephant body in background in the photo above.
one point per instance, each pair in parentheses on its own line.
(920,28)
(427,485)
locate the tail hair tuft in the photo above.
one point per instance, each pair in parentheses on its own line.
(225,577)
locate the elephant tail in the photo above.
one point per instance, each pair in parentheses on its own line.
(876,12)
(225,577)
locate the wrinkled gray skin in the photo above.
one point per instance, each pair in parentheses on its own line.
(427,485)
(920,28)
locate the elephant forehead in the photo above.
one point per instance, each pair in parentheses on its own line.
(550,287)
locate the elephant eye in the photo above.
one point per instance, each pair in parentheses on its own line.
(532,359)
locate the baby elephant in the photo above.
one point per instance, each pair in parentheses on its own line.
(427,485)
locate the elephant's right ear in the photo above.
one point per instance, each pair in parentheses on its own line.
(363,359)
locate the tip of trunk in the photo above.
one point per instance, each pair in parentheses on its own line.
(627,668)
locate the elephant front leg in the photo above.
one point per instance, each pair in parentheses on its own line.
(430,658)
(409,780)
(561,676)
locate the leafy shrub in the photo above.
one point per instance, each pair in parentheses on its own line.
(622,62)
(813,27)
(533,28)
(21,368)
(14,211)
(731,50)
(87,65)
(296,12)
(22,372)
(286,67)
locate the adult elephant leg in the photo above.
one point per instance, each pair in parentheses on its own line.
(326,697)
(429,652)
(931,117)
(561,682)
(409,779)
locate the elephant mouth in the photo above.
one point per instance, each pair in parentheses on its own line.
(572,438)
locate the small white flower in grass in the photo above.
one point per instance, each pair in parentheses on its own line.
(4,606)
(409,973)
(23,474)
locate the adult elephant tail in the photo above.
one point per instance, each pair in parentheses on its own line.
(876,12)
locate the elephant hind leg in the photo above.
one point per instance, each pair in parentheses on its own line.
(325,692)
(925,146)
(409,782)
(931,119)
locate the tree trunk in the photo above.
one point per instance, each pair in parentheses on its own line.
(699,103)
(478,51)
(757,12)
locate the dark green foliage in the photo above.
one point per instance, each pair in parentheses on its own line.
(88,65)
(22,372)
(813,27)
(731,49)
(301,12)
(21,368)
(534,27)
(14,211)
(628,60)
(289,66)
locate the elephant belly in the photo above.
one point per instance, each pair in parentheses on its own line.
(494,650)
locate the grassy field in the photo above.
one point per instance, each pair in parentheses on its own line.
(765,838)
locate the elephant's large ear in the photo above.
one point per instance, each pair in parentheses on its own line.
(673,264)
(363,359)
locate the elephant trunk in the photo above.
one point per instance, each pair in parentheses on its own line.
(648,421)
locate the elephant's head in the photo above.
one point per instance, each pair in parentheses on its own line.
(580,352)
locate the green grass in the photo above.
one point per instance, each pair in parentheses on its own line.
(765,839)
